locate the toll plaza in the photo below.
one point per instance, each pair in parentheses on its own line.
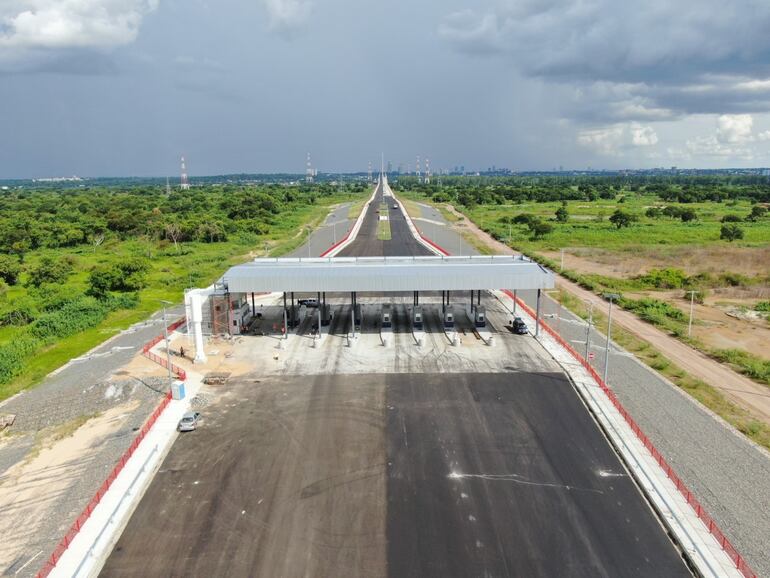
(230,303)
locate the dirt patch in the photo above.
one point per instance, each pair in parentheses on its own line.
(720,324)
(32,488)
(634,261)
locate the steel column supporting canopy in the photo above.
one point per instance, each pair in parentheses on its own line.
(386,274)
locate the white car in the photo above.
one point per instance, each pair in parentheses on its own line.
(189,421)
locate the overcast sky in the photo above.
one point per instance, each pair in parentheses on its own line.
(124,87)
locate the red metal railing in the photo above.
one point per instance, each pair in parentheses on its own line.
(162,361)
(708,521)
(97,498)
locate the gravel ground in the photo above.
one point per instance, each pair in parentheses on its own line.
(729,474)
(81,388)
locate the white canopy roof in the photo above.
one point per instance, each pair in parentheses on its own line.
(386,274)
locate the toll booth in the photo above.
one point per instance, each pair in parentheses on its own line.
(387,317)
(326,315)
(417,317)
(449,317)
(480,316)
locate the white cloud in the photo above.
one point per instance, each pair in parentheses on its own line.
(71,23)
(643,136)
(764,136)
(286,16)
(33,30)
(734,128)
(616,139)
(606,141)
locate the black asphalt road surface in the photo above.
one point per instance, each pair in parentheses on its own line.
(402,243)
(395,475)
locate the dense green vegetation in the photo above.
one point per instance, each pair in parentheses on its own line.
(77,265)
(609,212)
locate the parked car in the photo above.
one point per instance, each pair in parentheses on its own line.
(189,421)
(519,327)
(308,302)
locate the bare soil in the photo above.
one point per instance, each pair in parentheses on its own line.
(31,489)
(719,323)
(692,259)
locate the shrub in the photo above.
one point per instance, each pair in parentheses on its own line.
(9,269)
(622,219)
(668,278)
(13,354)
(731,218)
(698,295)
(653,310)
(22,312)
(757,212)
(50,270)
(734,279)
(688,215)
(126,276)
(763,306)
(730,232)
(523,219)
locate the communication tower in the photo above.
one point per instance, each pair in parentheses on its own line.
(417,170)
(184,182)
(427,171)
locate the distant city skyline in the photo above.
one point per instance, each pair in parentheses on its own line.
(116,87)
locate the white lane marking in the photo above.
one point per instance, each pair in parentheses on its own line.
(517,479)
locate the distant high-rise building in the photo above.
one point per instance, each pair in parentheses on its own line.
(390,167)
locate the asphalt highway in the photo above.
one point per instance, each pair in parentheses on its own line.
(402,475)
(402,243)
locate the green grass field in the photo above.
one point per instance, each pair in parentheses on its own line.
(383,230)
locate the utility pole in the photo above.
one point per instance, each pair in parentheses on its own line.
(588,327)
(611,297)
(692,307)
(562,261)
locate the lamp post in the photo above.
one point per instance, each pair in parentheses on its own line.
(611,297)
(588,327)
(165,335)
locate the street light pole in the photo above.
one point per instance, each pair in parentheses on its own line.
(611,297)
(588,327)
(165,335)
(692,306)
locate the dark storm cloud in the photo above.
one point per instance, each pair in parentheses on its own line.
(660,59)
